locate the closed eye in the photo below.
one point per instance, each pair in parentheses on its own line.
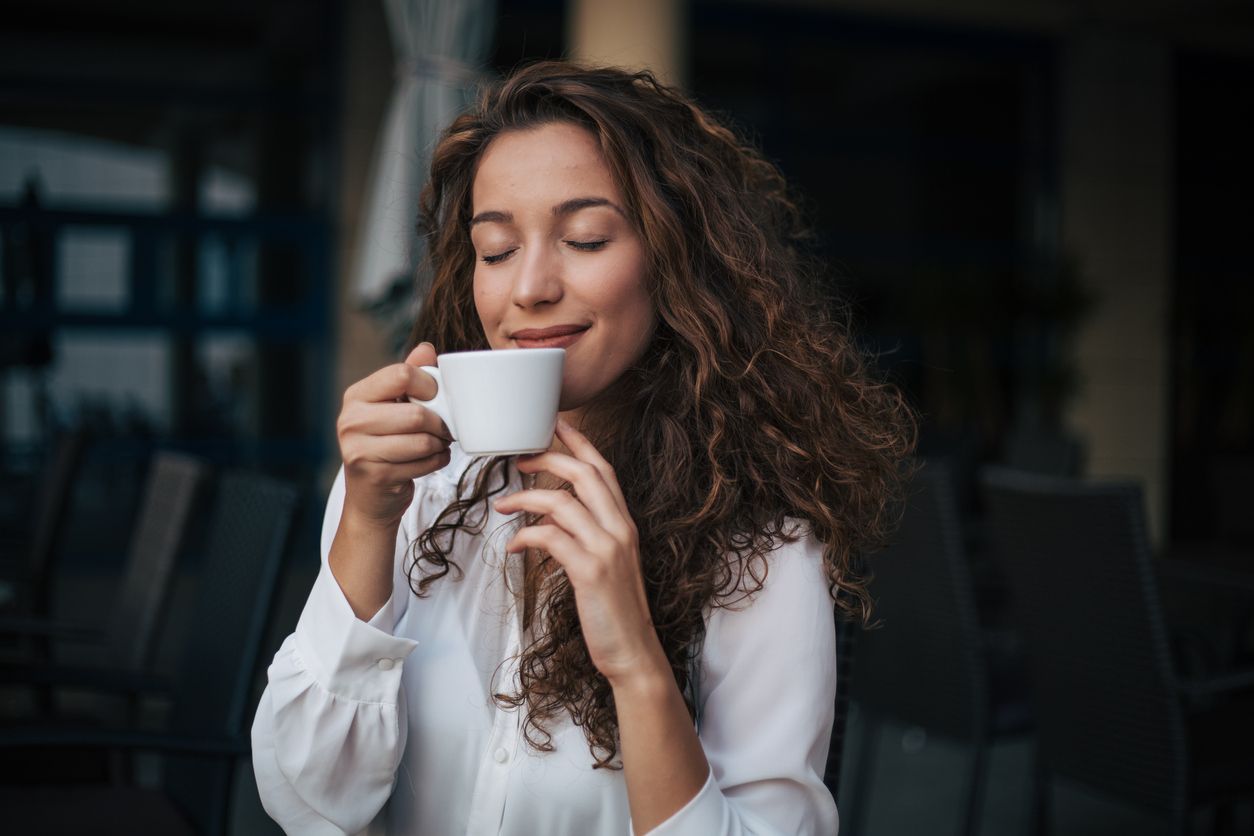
(587,246)
(496,259)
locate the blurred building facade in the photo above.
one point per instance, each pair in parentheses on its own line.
(1033,208)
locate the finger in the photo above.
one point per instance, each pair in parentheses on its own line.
(423,354)
(391,419)
(589,485)
(393,473)
(550,538)
(563,510)
(398,380)
(396,449)
(584,450)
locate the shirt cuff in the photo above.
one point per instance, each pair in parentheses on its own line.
(706,813)
(348,657)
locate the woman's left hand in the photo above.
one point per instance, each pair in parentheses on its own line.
(592,536)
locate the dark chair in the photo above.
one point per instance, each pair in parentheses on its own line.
(928,663)
(846,640)
(127,641)
(25,586)
(212,693)
(1112,713)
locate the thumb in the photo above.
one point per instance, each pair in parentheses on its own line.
(422,355)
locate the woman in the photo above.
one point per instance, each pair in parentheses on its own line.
(631,632)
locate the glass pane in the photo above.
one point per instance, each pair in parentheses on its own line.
(93,268)
(119,380)
(224,192)
(214,275)
(227,369)
(21,407)
(70,169)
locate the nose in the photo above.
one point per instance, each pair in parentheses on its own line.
(539,278)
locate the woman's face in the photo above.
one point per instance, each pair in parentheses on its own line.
(557,262)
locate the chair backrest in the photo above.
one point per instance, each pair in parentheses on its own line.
(246,540)
(165,511)
(924,664)
(56,488)
(846,644)
(1084,592)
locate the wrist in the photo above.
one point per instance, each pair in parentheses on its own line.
(364,524)
(361,561)
(651,679)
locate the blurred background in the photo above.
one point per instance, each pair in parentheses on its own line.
(1034,209)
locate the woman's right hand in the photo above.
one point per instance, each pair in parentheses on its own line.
(386,441)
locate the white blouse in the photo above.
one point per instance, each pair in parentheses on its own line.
(389,726)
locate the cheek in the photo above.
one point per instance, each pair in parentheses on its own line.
(631,298)
(482,306)
(635,321)
(488,303)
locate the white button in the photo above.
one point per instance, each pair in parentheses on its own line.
(501,755)
(386,664)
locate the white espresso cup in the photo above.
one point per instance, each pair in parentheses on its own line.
(498,403)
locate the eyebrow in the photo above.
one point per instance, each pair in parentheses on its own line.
(575,204)
(566,207)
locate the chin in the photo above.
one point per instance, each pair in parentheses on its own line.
(576,395)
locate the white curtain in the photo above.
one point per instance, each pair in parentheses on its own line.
(439,47)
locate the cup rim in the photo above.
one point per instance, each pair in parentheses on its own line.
(496,351)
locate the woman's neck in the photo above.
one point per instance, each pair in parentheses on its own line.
(575,417)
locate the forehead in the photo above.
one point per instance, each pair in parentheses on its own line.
(550,163)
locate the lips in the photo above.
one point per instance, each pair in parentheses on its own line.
(556,336)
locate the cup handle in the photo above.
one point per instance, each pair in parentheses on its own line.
(438,404)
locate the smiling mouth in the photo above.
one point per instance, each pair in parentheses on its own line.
(560,336)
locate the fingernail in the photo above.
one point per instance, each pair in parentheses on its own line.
(427,344)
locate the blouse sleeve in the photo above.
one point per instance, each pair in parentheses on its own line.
(768,694)
(330,728)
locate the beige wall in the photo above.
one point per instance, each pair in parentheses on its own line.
(1116,196)
(367,82)
(635,34)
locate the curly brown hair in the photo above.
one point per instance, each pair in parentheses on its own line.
(751,409)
